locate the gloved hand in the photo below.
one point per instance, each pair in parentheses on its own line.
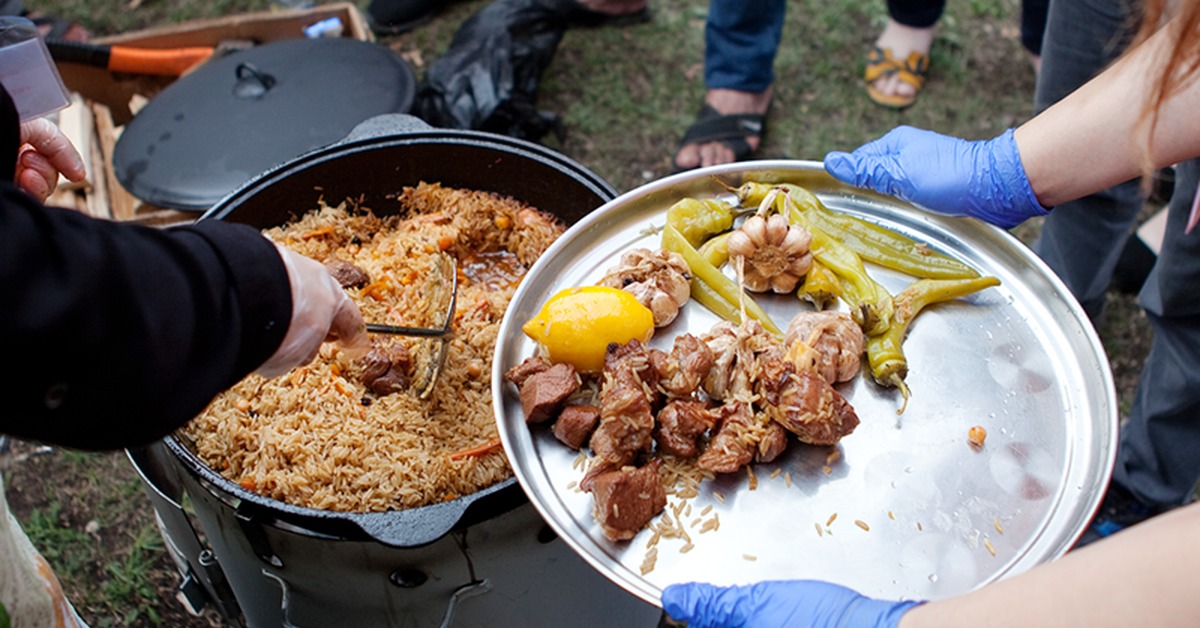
(809,603)
(984,179)
(44,153)
(320,311)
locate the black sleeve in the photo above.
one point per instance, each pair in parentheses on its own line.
(117,334)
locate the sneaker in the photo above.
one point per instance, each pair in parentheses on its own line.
(1119,510)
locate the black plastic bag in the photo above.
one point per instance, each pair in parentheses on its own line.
(488,79)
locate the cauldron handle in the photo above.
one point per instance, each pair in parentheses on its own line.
(424,525)
(284,598)
(384,125)
(467,590)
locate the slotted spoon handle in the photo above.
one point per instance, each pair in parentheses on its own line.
(425,332)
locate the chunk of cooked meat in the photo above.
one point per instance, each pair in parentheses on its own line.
(633,359)
(773,443)
(658,279)
(735,442)
(681,371)
(625,429)
(519,373)
(681,425)
(387,369)
(805,404)
(826,341)
(544,393)
(735,350)
(575,424)
(347,274)
(626,499)
(627,398)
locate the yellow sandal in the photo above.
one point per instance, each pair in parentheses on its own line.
(880,63)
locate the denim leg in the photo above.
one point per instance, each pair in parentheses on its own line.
(1082,240)
(1158,458)
(1081,38)
(741,38)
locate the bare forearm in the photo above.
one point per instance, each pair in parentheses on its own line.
(1091,140)
(1144,576)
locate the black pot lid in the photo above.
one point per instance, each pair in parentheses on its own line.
(236,117)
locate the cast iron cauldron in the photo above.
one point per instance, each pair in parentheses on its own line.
(289,565)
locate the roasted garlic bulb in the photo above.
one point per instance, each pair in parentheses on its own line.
(774,255)
(657,279)
(827,342)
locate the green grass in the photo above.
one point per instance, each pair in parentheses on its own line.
(68,549)
(92,523)
(129,590)
(109,17)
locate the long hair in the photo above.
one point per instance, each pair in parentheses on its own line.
(1180,68)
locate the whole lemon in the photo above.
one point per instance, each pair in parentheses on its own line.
(576,325)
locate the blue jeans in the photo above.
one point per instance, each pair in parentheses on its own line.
(741,38)
(1158,456)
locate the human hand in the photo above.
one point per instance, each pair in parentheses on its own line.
(320,311)
(809,603)
(45,153)
(984,179)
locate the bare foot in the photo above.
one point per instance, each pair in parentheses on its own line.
(901,40)
(725,101)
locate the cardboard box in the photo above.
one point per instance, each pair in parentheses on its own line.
(107,101)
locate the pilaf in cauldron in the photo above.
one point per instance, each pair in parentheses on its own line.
(321,437)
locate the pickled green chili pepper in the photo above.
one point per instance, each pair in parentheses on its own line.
(821,286)
(699,219)
(885,352)
(715,282)
(705,295)
(874,243)
(716,249)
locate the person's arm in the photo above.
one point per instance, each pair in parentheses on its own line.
(1143,576)
(1089,140)
(1085,143)
(116,334)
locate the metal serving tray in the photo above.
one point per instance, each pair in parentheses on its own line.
(920,514)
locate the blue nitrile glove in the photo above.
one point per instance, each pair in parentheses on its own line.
(984,179)
(809,603)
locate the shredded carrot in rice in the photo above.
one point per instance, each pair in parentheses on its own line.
(476,451)
(316,233)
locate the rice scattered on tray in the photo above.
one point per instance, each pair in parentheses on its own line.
(318,437)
